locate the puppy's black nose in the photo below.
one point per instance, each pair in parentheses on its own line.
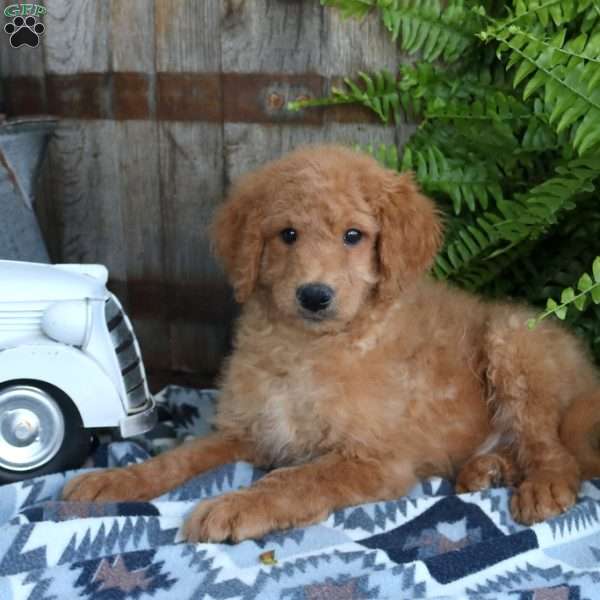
(314,296)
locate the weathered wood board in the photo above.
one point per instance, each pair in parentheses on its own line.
(164,103)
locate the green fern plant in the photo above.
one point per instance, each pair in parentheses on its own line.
(421,25)
(507,97)
(566,69)
(467,184)
(379,92)
(588,288)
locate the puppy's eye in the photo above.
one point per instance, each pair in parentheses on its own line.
(352,237)
(289,236)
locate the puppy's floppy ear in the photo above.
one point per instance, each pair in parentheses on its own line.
(237,237)
(410,231)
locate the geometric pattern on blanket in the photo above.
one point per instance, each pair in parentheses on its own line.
(431,543)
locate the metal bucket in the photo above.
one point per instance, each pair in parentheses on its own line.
(23,145)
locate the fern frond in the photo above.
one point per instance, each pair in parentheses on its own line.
(378,91)
(483,273)
(351,8)
(538,135)
(429,27)
(588,288)
(568,72)
(529,216)
(386,154)
(497,118)
(522,220)
(425,79)
(494,107)
(558,12)
(469,244)
(468,183)
(591,18)
(483,110)
(423,26)
(559,258)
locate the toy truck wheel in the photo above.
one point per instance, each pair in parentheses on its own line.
(40,431)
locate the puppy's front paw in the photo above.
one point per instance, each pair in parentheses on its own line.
(538,499)
(484,471)
(111,485)
(236,516)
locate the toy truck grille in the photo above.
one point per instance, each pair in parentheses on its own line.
(128,354)
(21,321)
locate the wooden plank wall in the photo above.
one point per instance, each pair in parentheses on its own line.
(163,103)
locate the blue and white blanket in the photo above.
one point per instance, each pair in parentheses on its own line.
(430,544)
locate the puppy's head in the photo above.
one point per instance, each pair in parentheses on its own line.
(324,230)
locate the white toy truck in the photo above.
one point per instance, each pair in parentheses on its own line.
(69,363)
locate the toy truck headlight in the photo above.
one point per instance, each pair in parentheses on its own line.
(67,322)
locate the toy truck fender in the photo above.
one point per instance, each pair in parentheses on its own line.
(73,372)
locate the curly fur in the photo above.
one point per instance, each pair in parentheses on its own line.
(405,378)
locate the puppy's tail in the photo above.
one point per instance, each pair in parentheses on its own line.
(580,433)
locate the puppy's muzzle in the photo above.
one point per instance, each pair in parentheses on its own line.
(315,297)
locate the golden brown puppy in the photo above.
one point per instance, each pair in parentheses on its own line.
(354,374)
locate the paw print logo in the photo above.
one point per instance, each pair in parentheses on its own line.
(24,32)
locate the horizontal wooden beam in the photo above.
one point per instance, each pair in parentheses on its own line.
(189,97)
(262,98)
(24,95)
(208,97)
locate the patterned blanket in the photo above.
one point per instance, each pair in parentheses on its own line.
(429,544)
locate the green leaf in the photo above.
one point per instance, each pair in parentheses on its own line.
(553,307)
(585,283)
(567,296)
(580,302)
(596,269)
